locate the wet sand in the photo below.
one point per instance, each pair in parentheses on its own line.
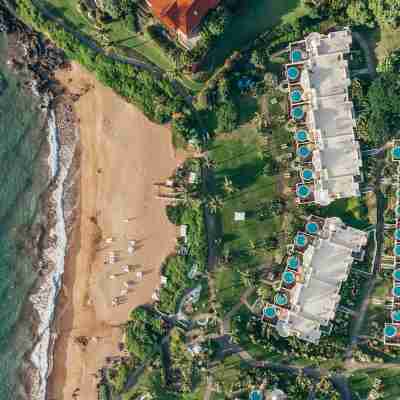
(121,156)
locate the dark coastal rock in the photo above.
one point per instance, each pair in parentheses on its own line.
(3,84)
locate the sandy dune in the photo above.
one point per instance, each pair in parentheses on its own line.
(122,155)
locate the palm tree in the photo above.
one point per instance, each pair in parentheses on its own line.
(263,293)
(252,247)
(172,74)
(246,278)
(228,185)
(226,253)
(214,204)
(259,121)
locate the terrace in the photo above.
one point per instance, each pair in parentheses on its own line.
(391,333)
(318,265)
(318,78)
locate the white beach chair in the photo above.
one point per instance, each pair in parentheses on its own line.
(139,275)
(126,268)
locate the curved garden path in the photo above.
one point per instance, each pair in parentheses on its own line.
(371,62)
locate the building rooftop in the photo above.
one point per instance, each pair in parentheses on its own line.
(323,79)
(334,42)
(315,295)
(332,116)
(182,15)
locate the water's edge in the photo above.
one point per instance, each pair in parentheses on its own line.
(62,144)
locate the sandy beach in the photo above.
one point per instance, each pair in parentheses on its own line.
(121,156)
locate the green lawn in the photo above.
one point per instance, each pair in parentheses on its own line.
(238,156)
(227,373)
(256,17)
(229,287)
(121,36)
(385,381)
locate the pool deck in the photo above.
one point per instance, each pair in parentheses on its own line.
(323,77)
(327,256)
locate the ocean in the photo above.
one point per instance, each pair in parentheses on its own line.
(24,179)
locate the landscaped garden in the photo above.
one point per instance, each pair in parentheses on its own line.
(375,384)
(119,34)
(252,19)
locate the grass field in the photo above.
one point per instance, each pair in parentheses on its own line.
(229,287)
(238,156)
(385,382)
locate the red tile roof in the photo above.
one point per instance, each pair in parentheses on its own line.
(184,15)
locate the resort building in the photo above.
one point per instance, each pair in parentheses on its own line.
(318,80)
(182,17)
(319,261)
(391,334)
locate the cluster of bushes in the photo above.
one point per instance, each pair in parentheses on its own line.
(118,377)
(183,370)
(213,26)
(185,125)
(227,116)
(176,268)
(236,378)
(359,12)
(144,332)
(378,103)
(383,107)
(267,338)
(351,291)
(178,55)
(118,8)
(277,37)
(270,209)
(218,96)
(104,393)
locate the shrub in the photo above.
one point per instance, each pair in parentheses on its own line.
(175,213)
(120,377)
(104,393)
(143,332)
(185,126)
(227,117)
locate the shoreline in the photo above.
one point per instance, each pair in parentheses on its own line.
(44,298)
(48,232)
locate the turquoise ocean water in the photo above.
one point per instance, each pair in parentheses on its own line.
(23,179)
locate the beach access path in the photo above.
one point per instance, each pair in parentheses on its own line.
(122,154)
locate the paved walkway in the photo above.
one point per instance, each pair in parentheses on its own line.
(371,64)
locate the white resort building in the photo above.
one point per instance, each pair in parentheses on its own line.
(318,80)
(391,331)
(320,261)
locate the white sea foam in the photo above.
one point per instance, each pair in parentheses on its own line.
(59,161)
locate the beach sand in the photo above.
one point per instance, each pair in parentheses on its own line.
(121,156)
